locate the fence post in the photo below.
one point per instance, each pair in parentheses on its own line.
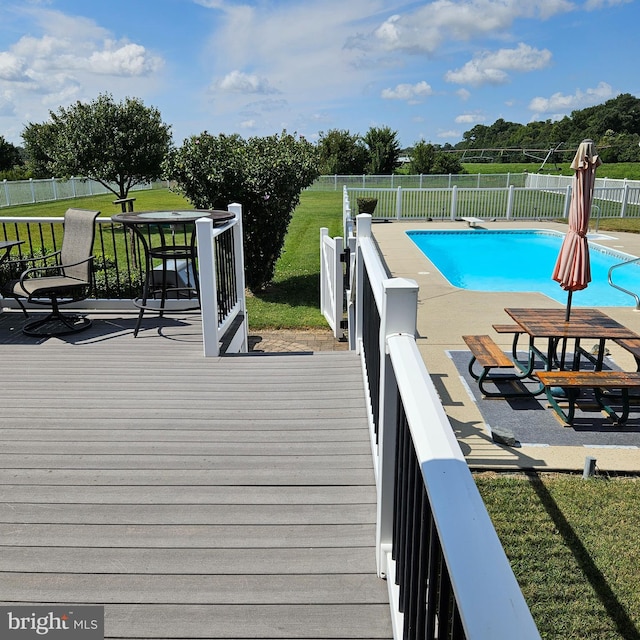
(33,191)
(567,201)
(625,197)
(6,192)
(399,203)
(399,316)
(510,202)
(454,201)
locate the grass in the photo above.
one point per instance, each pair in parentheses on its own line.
(293,299)
(574,548)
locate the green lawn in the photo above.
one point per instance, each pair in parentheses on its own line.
(293,299)
(574,546)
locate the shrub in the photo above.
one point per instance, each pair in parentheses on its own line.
(265,175)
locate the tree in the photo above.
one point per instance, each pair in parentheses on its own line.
(265,175)
(384,150)
(9,155)
(120,144)
(342,153)
(422,156)
(445,163)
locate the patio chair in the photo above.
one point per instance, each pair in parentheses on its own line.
(67,279)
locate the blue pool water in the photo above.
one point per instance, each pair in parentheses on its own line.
(482,260)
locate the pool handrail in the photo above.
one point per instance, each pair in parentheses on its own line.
(617,286)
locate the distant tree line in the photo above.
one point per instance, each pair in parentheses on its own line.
(614,126)
(79,140)
(378,152)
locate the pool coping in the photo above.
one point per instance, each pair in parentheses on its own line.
(446,313)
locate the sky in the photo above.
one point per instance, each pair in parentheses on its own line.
(428,70)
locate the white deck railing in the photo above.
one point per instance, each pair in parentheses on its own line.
(447,573)
(222,315)
(220,269)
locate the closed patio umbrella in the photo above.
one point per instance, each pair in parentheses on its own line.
(573,270)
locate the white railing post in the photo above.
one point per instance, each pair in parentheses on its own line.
(398,317)
(6,193)
(399,203)
(208,287)
(238,249)
(33,190)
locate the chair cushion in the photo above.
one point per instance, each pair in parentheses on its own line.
(43,287)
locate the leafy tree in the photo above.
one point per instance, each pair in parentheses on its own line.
(39,139)
(120,144)
(384,150)
(9,155)
(342,153)
(422,156)
(445,163)
(265,175)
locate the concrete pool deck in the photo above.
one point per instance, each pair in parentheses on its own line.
(446,313)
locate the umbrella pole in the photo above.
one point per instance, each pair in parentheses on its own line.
(568,314)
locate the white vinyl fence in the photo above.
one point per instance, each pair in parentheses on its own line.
(47,190)
(509,203)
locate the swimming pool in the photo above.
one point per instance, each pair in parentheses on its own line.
(523,260)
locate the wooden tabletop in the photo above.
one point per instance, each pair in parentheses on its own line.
(583,323)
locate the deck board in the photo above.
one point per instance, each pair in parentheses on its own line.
(195,498)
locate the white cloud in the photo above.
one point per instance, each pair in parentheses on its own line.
(126,60)
(592,5)
(408,92)
(239,82)
(426,28)
(11,67)
(463,94)
(451,134)
(492,67)
(560,103)
(469,118)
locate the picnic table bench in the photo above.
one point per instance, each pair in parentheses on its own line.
(489,355)
(573,382)
(632,345)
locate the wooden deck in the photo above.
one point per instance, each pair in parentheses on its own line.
(194,498)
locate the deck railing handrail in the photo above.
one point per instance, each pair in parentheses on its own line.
(447,573)
(116,260)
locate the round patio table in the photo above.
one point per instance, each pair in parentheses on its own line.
(170,238)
